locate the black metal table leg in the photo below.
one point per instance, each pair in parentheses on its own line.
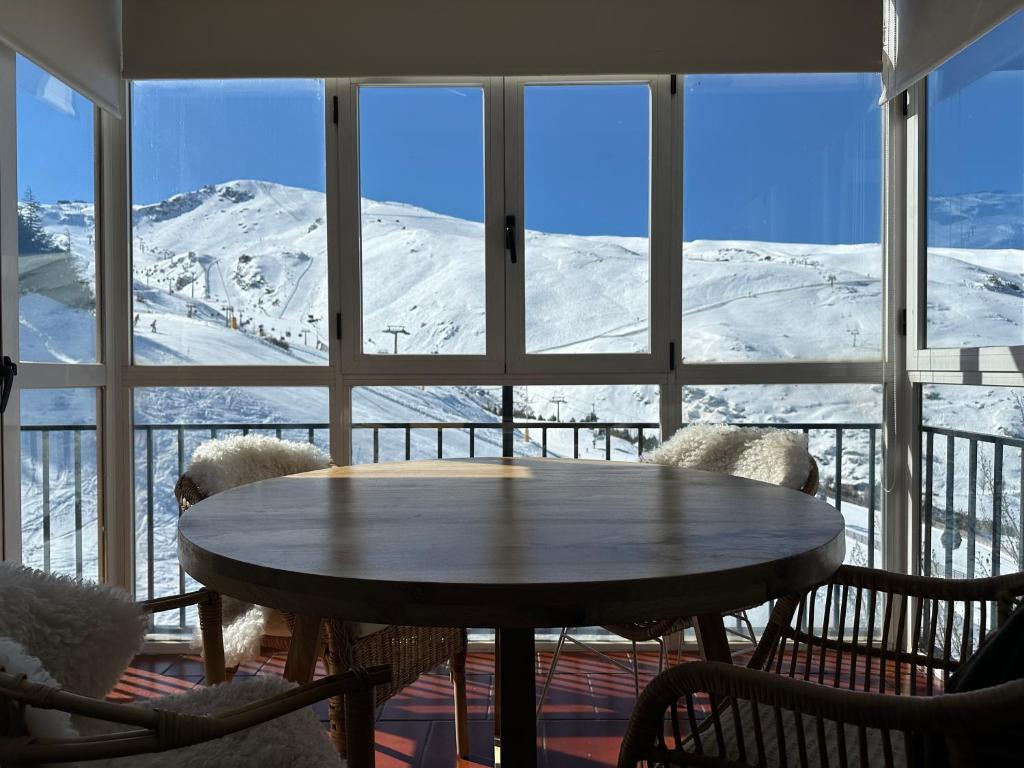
(515,741)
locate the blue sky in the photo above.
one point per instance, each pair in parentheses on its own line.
(778,157)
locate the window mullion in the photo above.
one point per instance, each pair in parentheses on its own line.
(116,479)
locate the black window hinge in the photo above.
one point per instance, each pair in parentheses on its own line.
(906,103)
(334,108)
(903,322)
(672,85)
(337,326)
(671,355)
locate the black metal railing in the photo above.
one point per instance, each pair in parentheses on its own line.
(644,430)
(161,452)
(955,508)
(160,499)
(44,434)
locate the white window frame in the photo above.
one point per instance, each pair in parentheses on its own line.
(982,365)
(39,375)
(349,215)
(116,376)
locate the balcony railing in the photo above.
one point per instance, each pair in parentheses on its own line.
(162,451)
(956,507)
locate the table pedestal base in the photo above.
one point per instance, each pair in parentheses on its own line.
(515,690)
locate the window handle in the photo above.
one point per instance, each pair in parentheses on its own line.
(510,237)
(10,370)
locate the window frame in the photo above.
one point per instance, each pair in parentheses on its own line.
(981,365)
(116,376)
(347,186)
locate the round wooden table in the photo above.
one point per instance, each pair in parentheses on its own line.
(513,544)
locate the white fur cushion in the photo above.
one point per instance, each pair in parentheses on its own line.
(298,740)
(84,634)
(777,456)
(218,465)
(39,723)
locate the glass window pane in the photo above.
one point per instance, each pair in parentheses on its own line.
(402,423)
(843,423)
(976,193)
(59,489)
(782,253)
(56,224)
(170,423)
(959,502)
(421,156)
(229,233)
(587,199)
(585,421)
(624,419)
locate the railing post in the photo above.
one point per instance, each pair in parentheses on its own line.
(45,436)
(151,566)
(972,507)
(507,418)
(872,436)
(181,571)
(839,469)
(929,485)
(950,528)
(997,506)
(78,503)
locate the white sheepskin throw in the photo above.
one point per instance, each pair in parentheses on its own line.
(218,465)
(776,456)
(38,723)
(297,740)
(84,634)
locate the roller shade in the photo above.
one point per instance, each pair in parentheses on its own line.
(347,38)
(919,35)
(78,41)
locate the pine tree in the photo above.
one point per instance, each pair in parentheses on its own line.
(32,237)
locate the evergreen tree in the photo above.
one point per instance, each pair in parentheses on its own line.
(32,237)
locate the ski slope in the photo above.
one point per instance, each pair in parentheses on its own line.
(235,273)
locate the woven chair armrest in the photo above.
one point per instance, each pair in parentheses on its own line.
(159,730)
(993,588)
(991,709)
(173,602)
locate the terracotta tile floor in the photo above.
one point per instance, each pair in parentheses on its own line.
(583,720)
(582,723)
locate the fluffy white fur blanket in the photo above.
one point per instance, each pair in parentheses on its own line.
(297,740)
(39,723)
(84,634)
(218,465)
(777,456)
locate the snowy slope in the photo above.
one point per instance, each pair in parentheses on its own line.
(236,273)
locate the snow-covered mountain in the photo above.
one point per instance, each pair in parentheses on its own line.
(236,273)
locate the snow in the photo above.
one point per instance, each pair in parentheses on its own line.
(235,273)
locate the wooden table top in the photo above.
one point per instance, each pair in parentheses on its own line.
(509,542)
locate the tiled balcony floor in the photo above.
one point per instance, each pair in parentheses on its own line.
(583,720)
(582,723)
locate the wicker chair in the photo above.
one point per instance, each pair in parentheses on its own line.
(151,730)
(658,630)
(409,651)
(845,675)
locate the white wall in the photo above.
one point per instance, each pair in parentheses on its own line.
(77,40)
(302,38)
